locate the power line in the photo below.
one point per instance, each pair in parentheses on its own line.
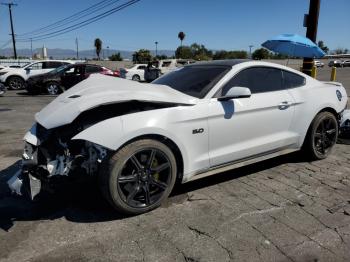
(6,44)
(72,18)
(77,46)
(83,23)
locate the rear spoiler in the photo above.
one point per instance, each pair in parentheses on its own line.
(332,83)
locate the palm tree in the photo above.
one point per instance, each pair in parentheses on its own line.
(181,36)
(98,46)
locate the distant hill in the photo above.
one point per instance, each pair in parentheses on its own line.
(58,53)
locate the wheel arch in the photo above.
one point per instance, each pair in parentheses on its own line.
(324,109)
(15,75)
(330,110)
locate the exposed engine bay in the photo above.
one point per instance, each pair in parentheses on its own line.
(56,158)
(51,156)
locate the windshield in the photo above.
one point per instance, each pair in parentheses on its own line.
(26,64)
(59,69)
(193,80)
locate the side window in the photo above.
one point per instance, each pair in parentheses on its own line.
(257,79)
(166,64)
(78,70)
(53,64)
(141,67)
(69,70)
(92,69)
(291,80)
(36,66)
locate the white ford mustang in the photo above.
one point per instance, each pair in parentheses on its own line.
(204,118)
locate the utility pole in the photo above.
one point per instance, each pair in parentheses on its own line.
(156,48)
(250,51)
(77,46)
(12,33)
(311,23)
(31,48)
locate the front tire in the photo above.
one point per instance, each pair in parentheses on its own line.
(139,177)
(54,88)
(321,136)
(136,78)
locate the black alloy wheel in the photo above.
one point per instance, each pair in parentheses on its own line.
(325,135)
(138,177)
(322,136)
(144,178)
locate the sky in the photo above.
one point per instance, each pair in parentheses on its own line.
(220,24)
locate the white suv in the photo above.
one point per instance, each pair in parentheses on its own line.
(15,78)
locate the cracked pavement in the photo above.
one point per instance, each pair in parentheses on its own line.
(283,209)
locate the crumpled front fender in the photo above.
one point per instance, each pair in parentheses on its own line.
(31,136)
(112,134)
(106,133)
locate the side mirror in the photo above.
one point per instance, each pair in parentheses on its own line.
(28,69)
(236,92)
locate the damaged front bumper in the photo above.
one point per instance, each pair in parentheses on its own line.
(24,184)
(48,158)
(345,122)
(344,128)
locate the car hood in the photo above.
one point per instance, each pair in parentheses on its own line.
(11,70)
(100,90)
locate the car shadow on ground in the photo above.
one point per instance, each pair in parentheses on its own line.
(83,203)
(24,93)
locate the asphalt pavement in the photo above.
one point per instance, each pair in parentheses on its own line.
(283,209)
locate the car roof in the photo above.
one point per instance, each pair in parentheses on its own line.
(227,62)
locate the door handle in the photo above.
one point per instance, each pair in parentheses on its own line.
(284,105)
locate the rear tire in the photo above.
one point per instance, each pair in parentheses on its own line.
(15,83)
(138,177)
(321,136)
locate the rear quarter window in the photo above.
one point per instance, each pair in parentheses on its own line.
(51,64)
(291,80)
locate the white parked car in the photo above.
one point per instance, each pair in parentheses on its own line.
(318,63)
(15,78)
(135,73)
(169,65)
(199,120)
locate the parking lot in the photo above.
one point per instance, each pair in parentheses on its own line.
(283,209)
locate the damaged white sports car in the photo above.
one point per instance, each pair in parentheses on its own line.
(139,139)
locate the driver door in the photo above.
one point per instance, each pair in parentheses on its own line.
(247,127)
(73,76)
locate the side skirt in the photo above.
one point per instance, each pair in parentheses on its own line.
(239,163)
